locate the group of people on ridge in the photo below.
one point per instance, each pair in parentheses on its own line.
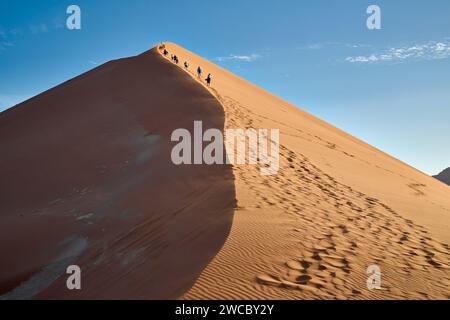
(208,78)
(175,59)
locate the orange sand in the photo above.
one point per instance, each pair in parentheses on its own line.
(337,206)
(87,179)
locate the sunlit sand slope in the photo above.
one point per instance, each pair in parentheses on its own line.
(336,207)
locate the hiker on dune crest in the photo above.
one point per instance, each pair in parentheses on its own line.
(208,80)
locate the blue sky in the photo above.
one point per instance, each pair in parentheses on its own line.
(389,87)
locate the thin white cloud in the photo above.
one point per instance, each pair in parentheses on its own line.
(8,37)
(428,51)
(323,45)
(315,46)
(58,23)
(245,58)
(16,32)
(6,44)
(40,28)
(358,45)
(318,45)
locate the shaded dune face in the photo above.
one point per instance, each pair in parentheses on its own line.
(87,179)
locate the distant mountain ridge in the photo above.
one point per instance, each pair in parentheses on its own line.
(444,176)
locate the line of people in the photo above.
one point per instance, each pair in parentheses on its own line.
(175,60)
(208,78)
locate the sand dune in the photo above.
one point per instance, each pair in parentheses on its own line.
(337,206)
(88,180)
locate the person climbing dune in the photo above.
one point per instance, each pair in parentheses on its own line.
(208,80)
(199,72)
(186,65)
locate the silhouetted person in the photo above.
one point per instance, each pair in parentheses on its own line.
(175,58)
(199,72)
(165,52)
(208,80)
(186,65)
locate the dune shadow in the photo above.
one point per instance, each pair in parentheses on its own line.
(101,145)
